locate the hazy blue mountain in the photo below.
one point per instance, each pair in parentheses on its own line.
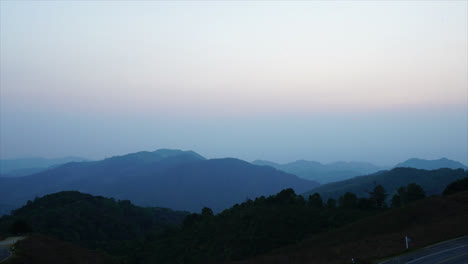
(22,172)
(432,164)
(266,163)
(324,173)
(181,180)
(27,166)
(432,181)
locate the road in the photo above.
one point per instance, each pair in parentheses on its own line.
(4,254)
(5,247)
(449,252)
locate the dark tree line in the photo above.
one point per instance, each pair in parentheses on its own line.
(145,235)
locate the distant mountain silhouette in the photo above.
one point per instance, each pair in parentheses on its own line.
(432,164)
(22,172)
(181,180)
(324,173)
(432,181)
(27,166)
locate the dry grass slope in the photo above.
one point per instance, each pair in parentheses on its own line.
(427,221)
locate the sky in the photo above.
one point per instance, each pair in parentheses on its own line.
(376,81)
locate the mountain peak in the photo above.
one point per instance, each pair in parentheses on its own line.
(157,155)
(164,153)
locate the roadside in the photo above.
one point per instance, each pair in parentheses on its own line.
(434,253)
(5,247)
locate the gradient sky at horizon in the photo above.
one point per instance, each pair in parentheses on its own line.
(378,81)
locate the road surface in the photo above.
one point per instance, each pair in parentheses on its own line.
(5,247)
(449,252)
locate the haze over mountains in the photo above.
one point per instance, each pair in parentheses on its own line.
(246,221)
(432,164)
(324,173)
(339,171)
(185,180)
(27,166)
(181,180)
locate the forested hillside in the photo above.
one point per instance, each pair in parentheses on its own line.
(90,221)
(432,181)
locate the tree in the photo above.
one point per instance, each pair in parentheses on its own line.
(410,193)
(348,200)
(20,226)
(365,204)
(331,203)
(414,192)
(286,195)
(456,186)
(378,195)
(191,219)
(396,201)
(207,211)
(315,200)
(300,200)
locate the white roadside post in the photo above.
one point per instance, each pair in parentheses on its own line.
(407,239)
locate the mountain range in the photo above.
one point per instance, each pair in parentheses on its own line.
(28,166)
(432,164)
(339,171)
(432,181)
(185,180)
(181,180)
(324,173)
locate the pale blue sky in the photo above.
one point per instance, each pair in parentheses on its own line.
(377,81)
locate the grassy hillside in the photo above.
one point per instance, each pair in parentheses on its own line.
(426,221)
(432,181)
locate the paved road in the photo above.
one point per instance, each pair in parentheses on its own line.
(4,254)
(450,252)
(5,246)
